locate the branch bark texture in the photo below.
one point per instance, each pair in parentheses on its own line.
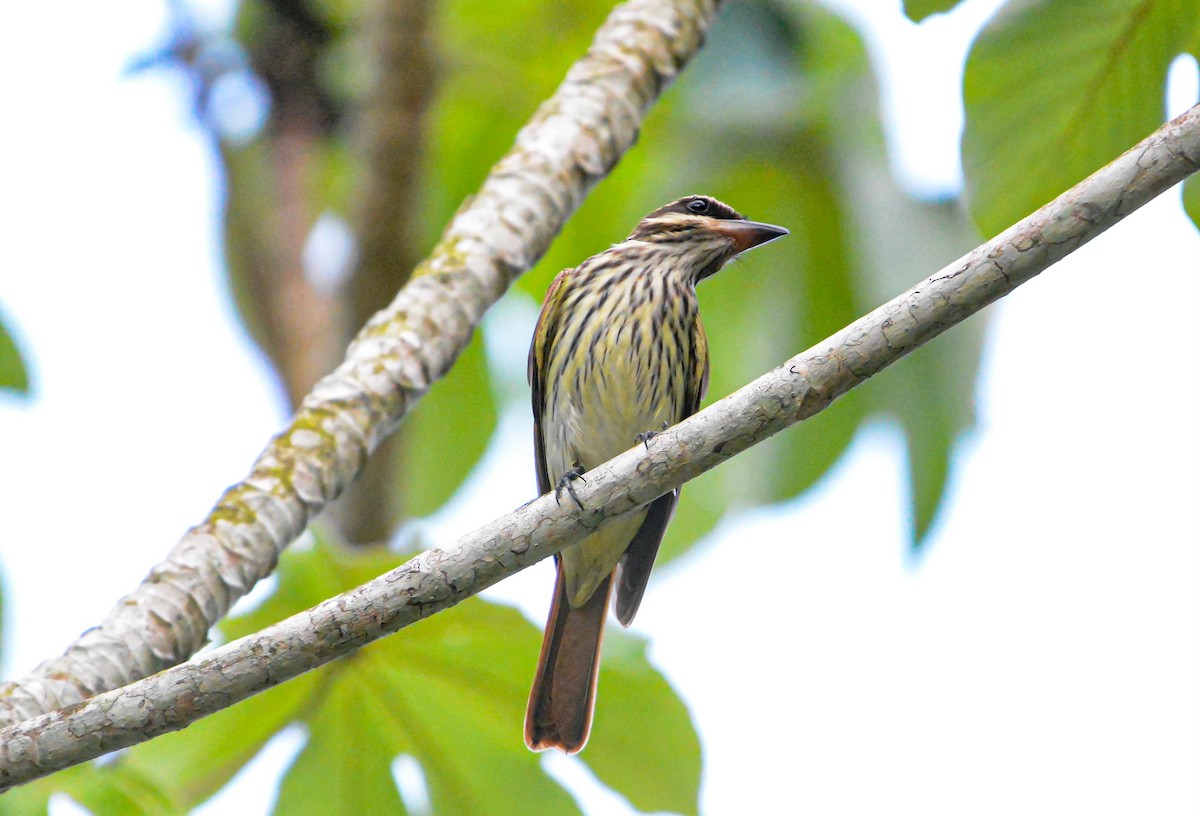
(573,140)
(439,578)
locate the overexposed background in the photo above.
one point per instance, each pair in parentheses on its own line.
(1043,657)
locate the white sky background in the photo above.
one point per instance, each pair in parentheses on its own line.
(1044,657)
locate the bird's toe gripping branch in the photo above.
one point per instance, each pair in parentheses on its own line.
(566,482)
(645,436)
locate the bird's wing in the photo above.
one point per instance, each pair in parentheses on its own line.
(638,559)
(634,569)
(543,336)
(698,376)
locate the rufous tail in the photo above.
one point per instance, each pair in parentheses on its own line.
(564,689)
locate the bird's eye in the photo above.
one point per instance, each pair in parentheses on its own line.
(698,205)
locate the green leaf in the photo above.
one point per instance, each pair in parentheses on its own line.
(449,692)
(631,696)
(490,85)
(457,689)
(702,505)
(29,800)
(1056,89)
(897,240)
(346,765)
(193,764)
(800,294)
(447,433)
(13,374)
(100,789)
(1191,199)
(248,197)
(117,791)
(918,10)
(761,311)
(931,392)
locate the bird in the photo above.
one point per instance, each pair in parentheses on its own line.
(618,354)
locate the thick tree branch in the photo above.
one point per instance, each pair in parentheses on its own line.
(574,140)
(439,578)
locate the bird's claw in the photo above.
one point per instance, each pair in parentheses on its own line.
(565,482)
(645,436)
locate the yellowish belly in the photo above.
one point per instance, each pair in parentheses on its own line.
(589,428)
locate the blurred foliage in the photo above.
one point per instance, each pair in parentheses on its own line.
(918,10)
(99,788)
(453,429)
(779,116)
(14,377)
(1191,199)
(1056,89)
(312,159)
(449,692)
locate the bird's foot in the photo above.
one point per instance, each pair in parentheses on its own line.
(645,436)
(566,482)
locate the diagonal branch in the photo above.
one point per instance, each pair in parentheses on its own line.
(440,578)
(573,140)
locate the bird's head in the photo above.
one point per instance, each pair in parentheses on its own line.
(703,232)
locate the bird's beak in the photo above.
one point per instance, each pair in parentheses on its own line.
(748,234)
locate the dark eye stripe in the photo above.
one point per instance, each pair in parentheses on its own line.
(683,206)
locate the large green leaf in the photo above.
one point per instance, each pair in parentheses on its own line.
(498,62)
(13,374)
(101,790)
(346,765)
(28,800)
(248,196)
(1055,89)
(633,695)
(447,433)
(780,301)
(930,392)
(449,692)
(118,791)
(897,240)
(193,764)
(763,310)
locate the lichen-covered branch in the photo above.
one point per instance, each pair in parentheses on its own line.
(574,139)
(439,578)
